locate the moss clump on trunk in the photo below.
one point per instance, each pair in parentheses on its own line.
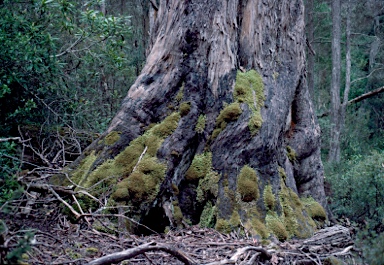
(201,165)
(249,89)
(314,209)
(223,226)
(269,198)
(185,108)
(112,138)
(247,184)
(276,226)
(230,113)
(141,184)
(83,168)
(200,125)
(287,214)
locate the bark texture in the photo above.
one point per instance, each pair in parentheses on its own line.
(227,78)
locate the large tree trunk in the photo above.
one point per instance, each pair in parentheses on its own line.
(219,127)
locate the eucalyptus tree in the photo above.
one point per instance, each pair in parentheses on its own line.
(218,128)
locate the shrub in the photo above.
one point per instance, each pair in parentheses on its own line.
(9,187)
(358,189)
(372,246)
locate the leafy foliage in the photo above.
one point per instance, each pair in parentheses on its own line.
(64,62)
(358,189)
(9,187)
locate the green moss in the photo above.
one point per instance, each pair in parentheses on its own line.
(282,173)
(249,89)
(314,209)
(230,113)
(106,171)
(153,143)
(166,127)
(269,198)
(234,221)
(200,166)
(247,184)
(91,251)
(141,185)
(208,185)
(185,108)
(175,189)
(129,157)
(170,107)
(289,219)
(208,216)
(259,227)
(121,192)
(83,169)
(331,260)
(180,94)
(200,125)
(294,216)
(150,166)
(177,214)
(255,123)
(291,153)
(216,132)
(112,138)
(255,225)
(72,254)
(276,226)
(223,226)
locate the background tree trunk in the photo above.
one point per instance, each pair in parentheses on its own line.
(310,52)
(334,150)
(219,127)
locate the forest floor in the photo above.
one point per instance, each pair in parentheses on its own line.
(56,240)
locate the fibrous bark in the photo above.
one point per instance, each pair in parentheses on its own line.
(223,93)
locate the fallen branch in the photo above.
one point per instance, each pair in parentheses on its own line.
(130,253)
(180,255)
